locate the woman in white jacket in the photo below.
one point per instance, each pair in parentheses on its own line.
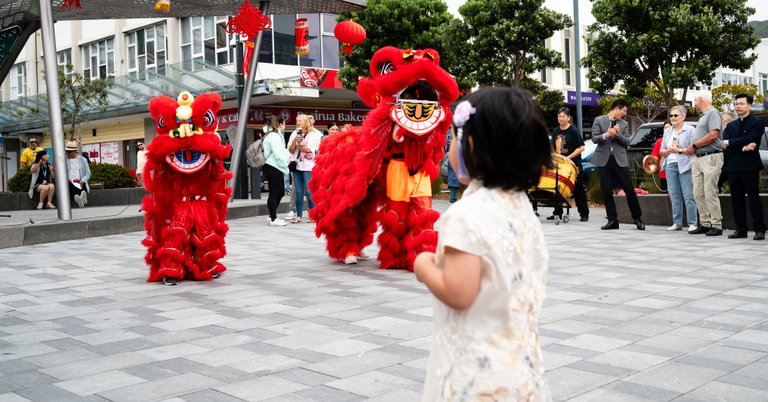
(276,166)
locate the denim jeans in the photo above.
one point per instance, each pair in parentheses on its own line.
(300,181)
(680,188)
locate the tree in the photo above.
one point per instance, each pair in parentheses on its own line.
(722,96)
(406,24)
(646,108)
(670,44)
(80,96)
(502,42)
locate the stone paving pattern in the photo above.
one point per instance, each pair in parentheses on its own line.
(629,316)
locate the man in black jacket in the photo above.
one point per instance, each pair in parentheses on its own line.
(740,140)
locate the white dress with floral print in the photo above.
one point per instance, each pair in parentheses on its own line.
(490,351)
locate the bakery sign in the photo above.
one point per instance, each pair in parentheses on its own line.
(261,114)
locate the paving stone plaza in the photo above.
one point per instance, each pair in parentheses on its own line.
(629,316)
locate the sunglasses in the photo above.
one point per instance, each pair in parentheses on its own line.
(674,115)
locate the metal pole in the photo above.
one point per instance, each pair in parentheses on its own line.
(245,105)
(577,54)
(54,110)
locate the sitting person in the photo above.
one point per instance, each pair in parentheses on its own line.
(42,180)
(79,174)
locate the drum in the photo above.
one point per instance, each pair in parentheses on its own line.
(561,179)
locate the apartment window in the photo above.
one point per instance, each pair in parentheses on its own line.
(146,51)
(567,57)
(18,81)
(763,83)
(205,40)
(99,59)
(330,43)
(64,61)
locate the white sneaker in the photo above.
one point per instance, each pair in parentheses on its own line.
(290,215)
(351,259)
(79,201)
(674,227)
(278,222)
(692,228)
(84,197)
(363,255)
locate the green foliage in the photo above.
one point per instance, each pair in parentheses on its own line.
(80,96)
(666,43)
(413,24)
(548,99)
(437,185)
(19,183)
(501,42)
(113,176)
(761,28)
(646,108)
(722,96)
(594,192)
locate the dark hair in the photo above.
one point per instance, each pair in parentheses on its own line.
(667,122)
(275,122)
(39,156)
(332,124)
(619,103)
(510,139)
(749,98)
(564,110)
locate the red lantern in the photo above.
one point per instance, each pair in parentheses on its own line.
(349,33)
(302,37)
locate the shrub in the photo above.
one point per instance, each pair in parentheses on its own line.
(594,192)
(112,176)
(20,182)
(437,185)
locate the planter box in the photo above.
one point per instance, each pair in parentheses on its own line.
(657,210)
(96,198)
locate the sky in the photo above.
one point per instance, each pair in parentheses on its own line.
(760,6)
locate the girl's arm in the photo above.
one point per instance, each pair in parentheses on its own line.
(457,283)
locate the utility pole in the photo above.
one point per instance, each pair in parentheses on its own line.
(577,54)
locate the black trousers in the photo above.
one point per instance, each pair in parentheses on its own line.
(276,182)
(579,195)
(613,173)
(746,184)
(73,191)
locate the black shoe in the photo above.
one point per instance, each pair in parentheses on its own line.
(759,236)
(170,281)
(701,230)
(714,232)
(552,217)
(639,223)
(737,235)
(610,225)
(216,275)
(584,218)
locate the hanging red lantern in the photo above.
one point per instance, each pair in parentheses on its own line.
(349,33)
(302,37)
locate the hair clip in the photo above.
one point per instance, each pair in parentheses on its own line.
(462,113)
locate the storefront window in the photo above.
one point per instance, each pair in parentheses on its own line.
(330,43)
(284,40)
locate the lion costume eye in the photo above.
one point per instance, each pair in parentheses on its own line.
(160,122)
(209,118)
(386,68)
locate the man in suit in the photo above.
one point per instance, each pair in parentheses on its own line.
(611,134)
(740,143)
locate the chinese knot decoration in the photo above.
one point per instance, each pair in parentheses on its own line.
(247,22)
(349,33)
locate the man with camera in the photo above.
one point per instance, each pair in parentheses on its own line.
(611,134)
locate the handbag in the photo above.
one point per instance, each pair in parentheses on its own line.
(292,166)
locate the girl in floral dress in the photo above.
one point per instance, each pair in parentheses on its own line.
(490,271)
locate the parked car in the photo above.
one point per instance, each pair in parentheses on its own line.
(764,149)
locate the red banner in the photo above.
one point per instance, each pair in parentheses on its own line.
(319,78)
(260,115)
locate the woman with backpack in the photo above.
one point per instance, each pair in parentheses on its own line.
(276,166)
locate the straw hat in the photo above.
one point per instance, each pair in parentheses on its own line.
(71,146)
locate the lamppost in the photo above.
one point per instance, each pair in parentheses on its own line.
(577,45)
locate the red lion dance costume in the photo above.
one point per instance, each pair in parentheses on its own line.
(383,170)
(187,205)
